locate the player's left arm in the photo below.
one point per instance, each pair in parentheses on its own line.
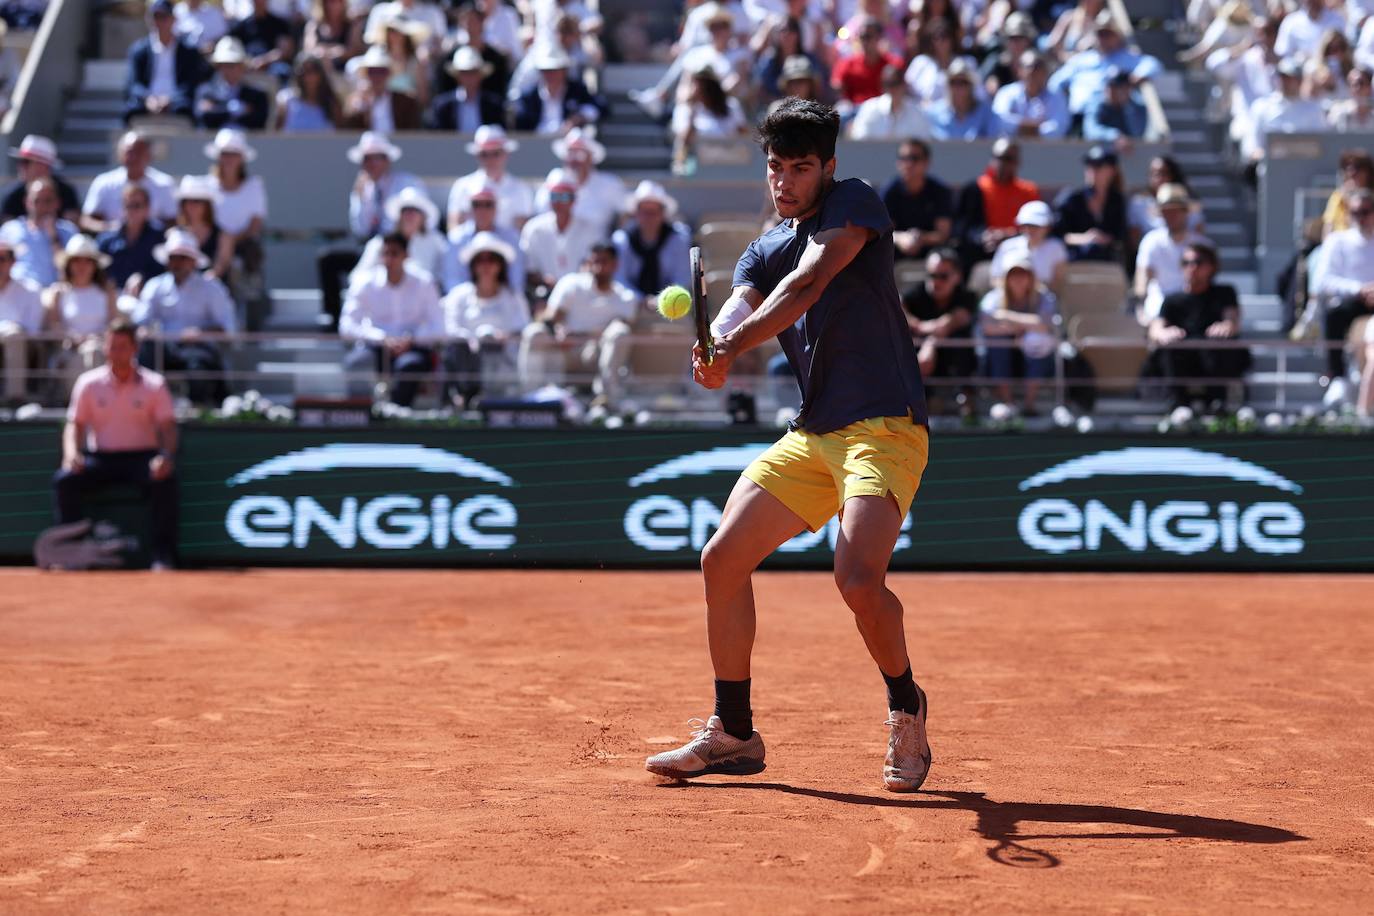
(828,253)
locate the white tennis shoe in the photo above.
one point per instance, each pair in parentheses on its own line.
(908,751)
(711,750)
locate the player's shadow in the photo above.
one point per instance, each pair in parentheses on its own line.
(1000,822)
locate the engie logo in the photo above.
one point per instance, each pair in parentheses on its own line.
(664,522)
(1179,526)
(394,521)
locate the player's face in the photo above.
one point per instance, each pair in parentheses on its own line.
(796,184)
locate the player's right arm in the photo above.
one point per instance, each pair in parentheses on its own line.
(741,304)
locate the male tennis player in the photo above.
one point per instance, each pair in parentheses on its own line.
(821,281)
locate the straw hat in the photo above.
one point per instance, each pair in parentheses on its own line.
(181,242)
(81,246)
(196,187)
(417,31)
(577,142)
(491,136)
(230,140)
(487,241)
(1173,195)
(1019,261)
(466,60)
(229,50)
(375,58)
(412,198)
(37,149)
(653,191)
(371,143)
(553,59)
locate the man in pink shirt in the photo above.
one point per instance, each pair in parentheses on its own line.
(121,430)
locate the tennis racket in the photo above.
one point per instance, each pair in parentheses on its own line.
(699,307)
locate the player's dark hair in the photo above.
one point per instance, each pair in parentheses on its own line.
(1205,252)
(605,248)
(397,239)
(124,327)
(798,128)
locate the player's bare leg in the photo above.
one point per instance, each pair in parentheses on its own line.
(868,532)
(753,525)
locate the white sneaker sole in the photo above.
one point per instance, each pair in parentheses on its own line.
(734,766)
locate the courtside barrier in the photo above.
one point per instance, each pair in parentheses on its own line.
(419,496)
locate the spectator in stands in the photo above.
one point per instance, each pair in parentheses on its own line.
(484,211)
(178,308)
(1249,69)
(196,215)
(79,306)
(582,49)
(927,72)
(332,34)
(1356,171)
(558,104)
(121,430)
(783,42)
(407,43)
(962,115)
(1345,276)
(799,79)
(858,77)
(1159,261)
(1357,112)
(484,317)
(426,14)
(417,218)
(9,70)
(309,103)
(1036,242)
(600,195)
(1116,117)
(37,236)
(924,16)
(23,15)
(268,41)
(501,26)
(225,101)
(36,157)
(1143,213)
(1091,219)
(1084,76)
(105,197)
(938,309)
(555,243)
(1284,111)
(1018,319)
(21,318)
(1303,29)
(921,206)
(200,23)
(467,107)
(374,106)
(470,33)
(130,244)
(892,115)
(1199,310)
(240,207)
(987,208)
(586,328)
(492,148)
(1029,108)
(392,317)
(705,111)
(849,36)
(652,251)
(163,71)
(1003,68)
(1074,29)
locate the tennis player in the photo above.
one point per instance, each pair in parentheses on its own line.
(821,281)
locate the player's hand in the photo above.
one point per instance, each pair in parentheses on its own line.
(160,467)
(74,464)
(713,374)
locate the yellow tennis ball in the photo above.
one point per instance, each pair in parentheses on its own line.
(674,302)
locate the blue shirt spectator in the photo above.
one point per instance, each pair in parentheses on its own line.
(1029,107)
(1116,115)
(961,115)
(184,298)
(653,250)
(39,234)
(1084,76)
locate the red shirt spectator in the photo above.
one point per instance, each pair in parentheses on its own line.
(859,77)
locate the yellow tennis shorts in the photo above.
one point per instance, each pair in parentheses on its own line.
(814,474)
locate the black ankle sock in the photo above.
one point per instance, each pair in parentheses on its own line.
(901,692)
(732,706)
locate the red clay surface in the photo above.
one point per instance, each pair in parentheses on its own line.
(472,742)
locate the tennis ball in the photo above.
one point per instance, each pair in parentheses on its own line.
(674,302)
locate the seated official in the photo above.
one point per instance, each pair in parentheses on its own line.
(393,311)
(179,306)
(939,309)
(121,430)
(1201,311)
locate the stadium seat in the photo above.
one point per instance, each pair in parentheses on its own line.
(723,243)
(1093,288)
(1118,366)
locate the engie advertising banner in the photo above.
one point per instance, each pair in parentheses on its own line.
(476,497)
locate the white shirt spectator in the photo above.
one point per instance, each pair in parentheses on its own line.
(501,29)
(427,252)
(286,9)
(84,311)
(584,309)
(1364,47)
(546,16)
(381,121)
(695,30)
(1346,117)
(234,210)
(722,64)
(1346,263)
(468,316)
(1045,257)
(551,253)
(367,204)
(426,13)
(1299,33)
(707,124)
(201,303)
(105,197)
(875,121)
(21,304)
(926,79)
(514,199)
(1164,257)
(375,310)
(164,81)
(1049,108)
(599,201)
(1275,114)
(121,416)
(202,26)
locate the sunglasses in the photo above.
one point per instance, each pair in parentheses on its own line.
(911,158)
(1192,262)
(562,197)
(491,153)
(483,203)
(942,275)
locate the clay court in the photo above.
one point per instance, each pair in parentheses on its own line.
(473,742)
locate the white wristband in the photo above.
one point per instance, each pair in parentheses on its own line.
(730,316)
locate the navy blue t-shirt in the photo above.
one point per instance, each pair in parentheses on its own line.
(851,352)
